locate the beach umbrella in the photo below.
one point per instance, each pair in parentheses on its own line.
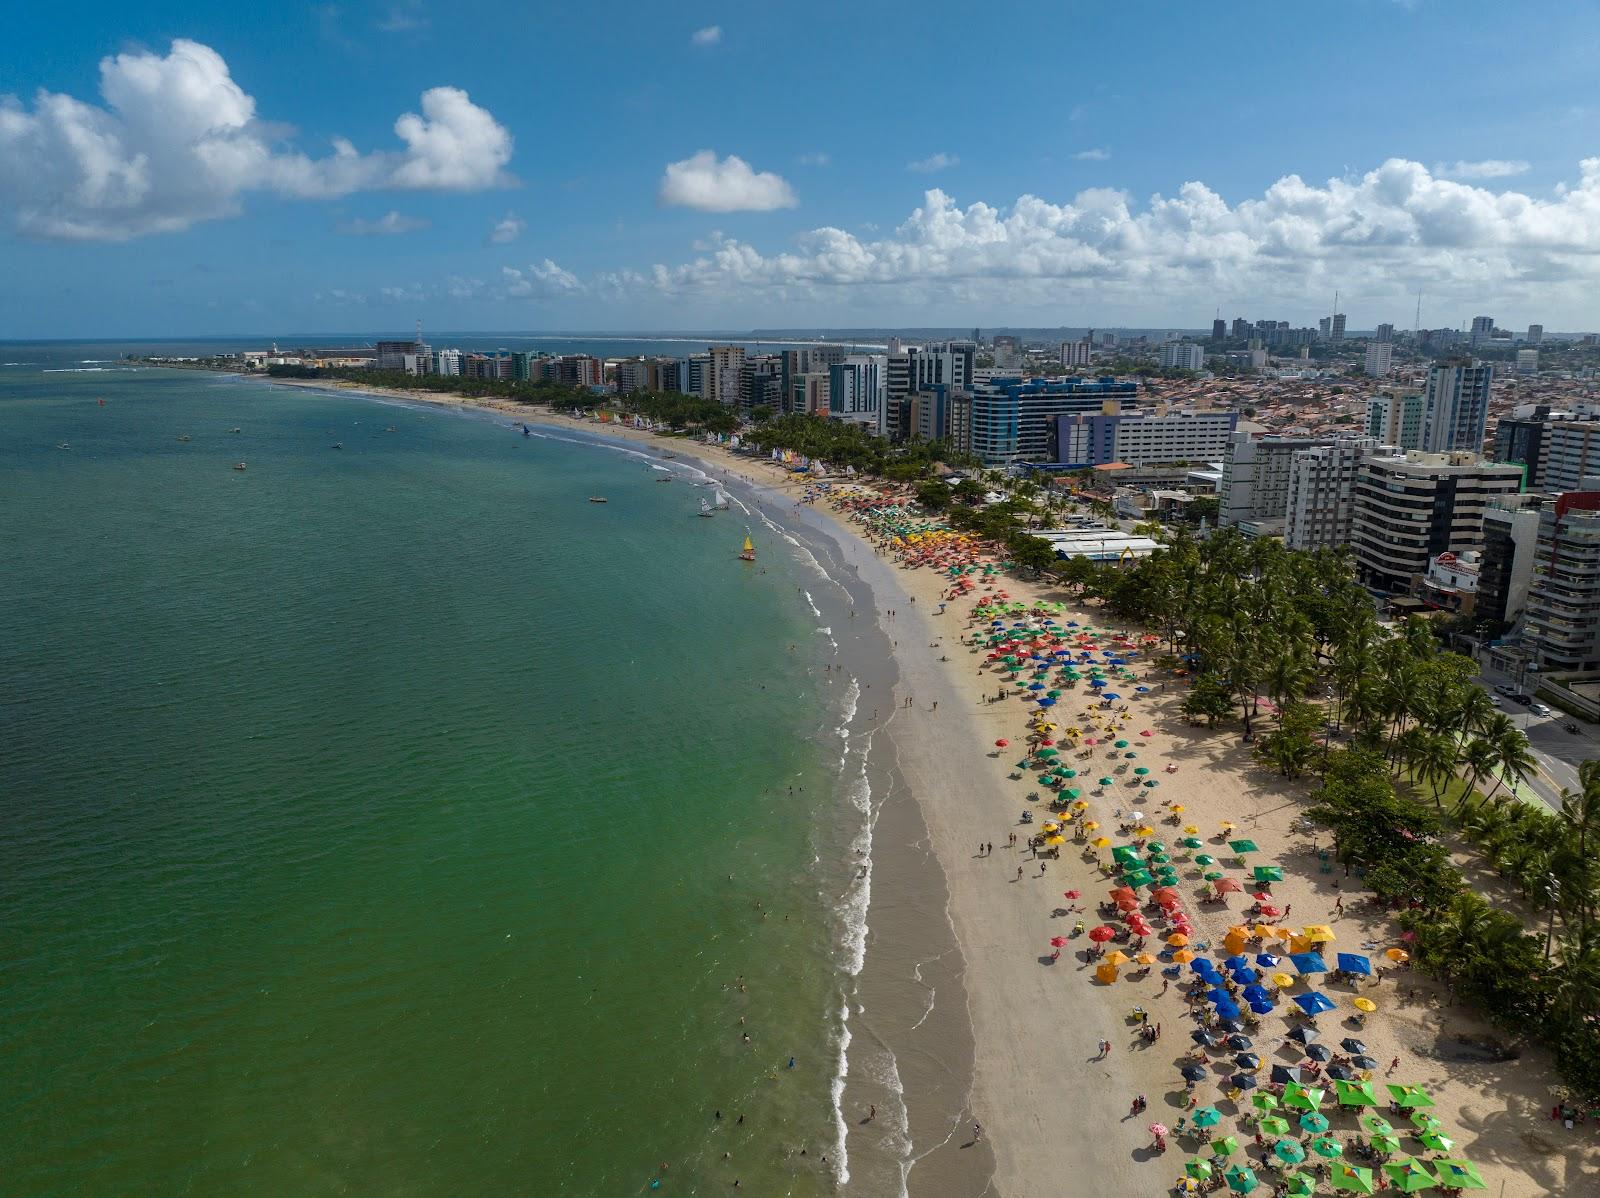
(1352,1178)
(1102,933)
(1314,1122)
(1200,1170)
(1267,873)
(1289,1151)
(1117,957)
(1409,1176)
(1191,842)
(1397,955)
(1364,1004)
(1283,980)
(1002,743)
(1300,1186)
(1203,1038)
(1305,1035)
(1245,1081)
(1305,1098)
(1226,1146)
(1266,1102)
(1313,1003)
(1106,974)
(1157,1129)
(1177,940)
(1241,1179)
(1437,1141)
(1351,1044)
(1207,1116)
(1100,842)
(1423,1121)
(1375,1123)
(1141,770)
(1327,1146)
(1350,1093)
(1108,782)
(1272,1125)
(1241,847)
(1247,1060)
(1458,1174)
(1352,963)
(1193,1073)
(1183,956)
(1383,1142)
(1409,1096)
(1239,1043)
(1318,933)
(1059,941)
(1225,885)
(1318,1052)
(1265,960)
(1205,859)
(1119,744)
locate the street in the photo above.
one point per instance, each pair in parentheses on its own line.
(1556,752)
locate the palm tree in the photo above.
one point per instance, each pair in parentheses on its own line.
(1479,758)
(1511,748)
(1433,757)
(1474,709)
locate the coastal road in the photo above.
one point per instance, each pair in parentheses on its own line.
(1556,752)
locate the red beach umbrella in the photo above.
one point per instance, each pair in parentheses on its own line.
(1072,894)
(1058,942)
(1101,934)
(1000,744)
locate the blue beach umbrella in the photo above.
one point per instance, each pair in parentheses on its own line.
(1245,975)
(1267,960)
(1314,1003)
(1353,963)
(1309,962)
(1260,1006)
(1236,962)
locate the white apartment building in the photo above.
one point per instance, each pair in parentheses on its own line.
(1380,356)
(1322,487)
(1076,353)
(1395,418)
(1182,355)
(1142,438)
(1527,361)
(1411,508)
(857,390)
(1254,495)
(1570,454)
(1456,406)
(723,374)
(448,361)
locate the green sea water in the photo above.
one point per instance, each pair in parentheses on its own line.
(391,819)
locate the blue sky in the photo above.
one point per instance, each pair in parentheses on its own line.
(170,169)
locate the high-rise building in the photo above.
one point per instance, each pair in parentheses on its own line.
(1379,356)
(1510,541)
(1254,494)
(414,356)
(1561,624)
(580,370)
(1535,334)
(1076,353)
(1527,361)
(1219,329)
(1482,329)
(1456,409)
(1007,352)
(1140,437)
(1395,418)
(1321,494)
(1241,329)
(447,361)
(809,394)
(1182,355)
(1325,327)
(1571,452)
(1013,419)
(1521,437)
(857,391)
(1410,509)
(940,414)
(665,374)
(1383,333)
(724,374)
(806,359)
(1336,328)
(697,375)
(632,374)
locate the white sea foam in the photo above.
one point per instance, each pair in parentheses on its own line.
(812,603)
(841,1153)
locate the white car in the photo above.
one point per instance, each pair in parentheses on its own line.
(1538,708)
(1494,701)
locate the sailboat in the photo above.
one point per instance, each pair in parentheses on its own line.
(720,502)
(705,509)
(748,554)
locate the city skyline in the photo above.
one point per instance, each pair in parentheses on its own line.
(346,167)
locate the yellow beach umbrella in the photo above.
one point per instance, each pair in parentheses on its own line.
(1318,933)
(1055,838)
(1090,825)
(1146,958)
(1183,956)
(1177,940)
(1080,804)
(1227,825)
(1144,830)
(1283,980)
(1117,957)
(1191,830)
(1365,1004)
(1100,842)
(1262,931)
(1179,809)
(1106,974)
(1398,955)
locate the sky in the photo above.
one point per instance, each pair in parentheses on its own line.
(172,169)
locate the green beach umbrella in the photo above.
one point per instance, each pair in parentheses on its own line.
(1314,1122)
(1327,1146)
(1200,1170)
(1274,1125)
(1301,1097)
(1226,1146)
(1300,1186)
(1352,1178)
(1159,858)
(1376,1124)
(1459,1174)
(1214,876)
(1386,1143)
(1408,1176)
(1155,846)
(1141,770)
(1241,1179)
(1069,773)
(1268,873)
(1108,781)
(1207,1116)
(1436,1141)
(1423,1121)
(1071,792)
(1137,878)
(1243,846)
(1410,1096)
(1264,1101)
(1205,859)
(1355,1093)
(1125,854)
(1289,1151)
(1191,842)
(1119,744)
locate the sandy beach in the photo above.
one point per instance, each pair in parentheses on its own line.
(1054,1113)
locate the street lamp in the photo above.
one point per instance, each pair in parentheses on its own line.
(1552,892)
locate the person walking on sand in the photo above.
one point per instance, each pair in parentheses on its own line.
(977,1132)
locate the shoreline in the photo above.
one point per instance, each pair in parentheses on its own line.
(1051,1108)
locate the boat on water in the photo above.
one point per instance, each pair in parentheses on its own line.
(597,499)
(720,500)
(238,465)
(183,436)
(748,553)
(62,445)
(391,429)
(235,430)
(526,432)
(337,445)
(705,509)
(665,478)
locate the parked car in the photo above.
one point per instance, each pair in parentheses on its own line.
(1503,689)
(1539,708)
(1523,697)
(1494,701)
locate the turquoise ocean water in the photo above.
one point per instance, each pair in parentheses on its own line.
(367,816)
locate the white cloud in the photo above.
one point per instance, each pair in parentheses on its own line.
(387,225)
(544,279)
(934,162)
(709,36)
(508,228)
(1489,168)
(1095,155)
(178,141)
(1376,236)
(816,159)
(728,185)
(404,17)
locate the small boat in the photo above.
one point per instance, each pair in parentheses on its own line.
(235,430)
(391,429)
(183,437)
(597,499)
(337,445)
(748,553)
(238,465)
(62,445)
(665,478)
(721,500)
(705,509)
